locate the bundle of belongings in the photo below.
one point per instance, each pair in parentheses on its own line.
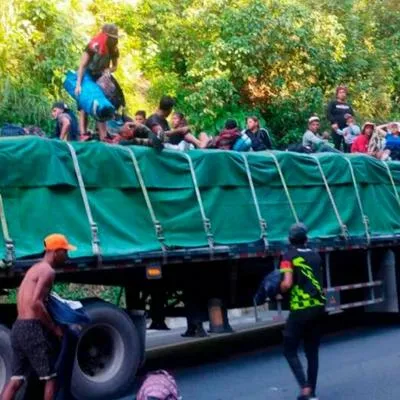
(9,130)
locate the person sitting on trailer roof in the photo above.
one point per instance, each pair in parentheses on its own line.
(349,133)
(370,142)
(225,140)
(135,134)
(140,117)
(393,140)
(312,139)
(260,139)
(66,122)
(188,140)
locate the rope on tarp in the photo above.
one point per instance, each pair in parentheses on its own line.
(206,221)
(278,167)
(9,243)
(392,182)
(343,227)
(93,226)
(364,216)
(261,220)
(157,225)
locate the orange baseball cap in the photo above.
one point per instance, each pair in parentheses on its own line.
(56,241)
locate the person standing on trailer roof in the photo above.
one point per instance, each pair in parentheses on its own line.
(100,57)
(336,111)
(302,279)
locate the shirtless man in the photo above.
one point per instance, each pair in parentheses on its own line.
(34,331)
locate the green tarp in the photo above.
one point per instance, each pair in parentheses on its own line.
(41,195)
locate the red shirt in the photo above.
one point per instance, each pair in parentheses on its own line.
(360,144)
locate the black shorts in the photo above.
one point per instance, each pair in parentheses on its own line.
(303,322)
(34,348)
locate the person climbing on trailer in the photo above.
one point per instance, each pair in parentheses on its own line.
(100,57)
(302,279)
(35,336)
(66,122)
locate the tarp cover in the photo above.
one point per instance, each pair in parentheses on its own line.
(41,195)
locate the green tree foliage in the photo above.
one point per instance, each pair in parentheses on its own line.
(280,58)
(38,43)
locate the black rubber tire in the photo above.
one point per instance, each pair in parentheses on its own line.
(5,356)
(113,334)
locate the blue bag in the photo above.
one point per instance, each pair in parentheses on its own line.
(243,143)
(92,99)
(63,314)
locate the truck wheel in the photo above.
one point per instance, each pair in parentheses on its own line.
(5,356)
(107,354)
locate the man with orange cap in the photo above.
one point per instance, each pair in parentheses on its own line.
(34,333)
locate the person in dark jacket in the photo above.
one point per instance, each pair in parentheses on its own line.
(336,111)
(260,139)
(302,279)
(66,122)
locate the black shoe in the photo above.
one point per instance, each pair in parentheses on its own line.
(160,326)
(198,332)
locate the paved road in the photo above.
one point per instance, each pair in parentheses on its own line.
(356,364)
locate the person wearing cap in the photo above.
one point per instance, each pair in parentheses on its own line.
(336,111)
(360,144)
(312,139)
(302,280)
(66,122)
(34,335)
(100,57)
(370,142)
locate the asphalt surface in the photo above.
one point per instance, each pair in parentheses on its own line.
(356,363)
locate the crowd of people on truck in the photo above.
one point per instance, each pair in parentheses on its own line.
(100,60)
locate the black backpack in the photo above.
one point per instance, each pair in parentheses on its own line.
(299,148)
(270,287)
